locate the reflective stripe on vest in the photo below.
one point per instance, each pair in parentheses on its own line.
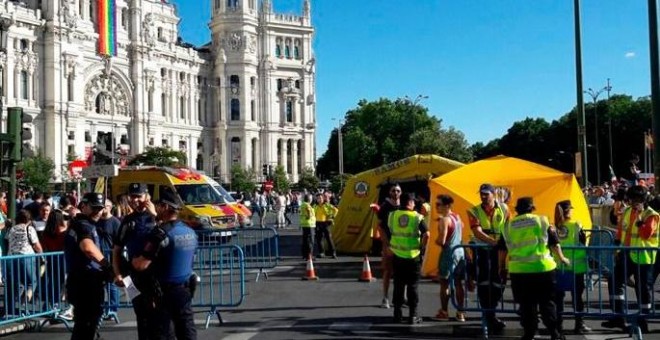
(569,235)
(404,226)
(526,237)
(307,216)
(642,256)
(490,227)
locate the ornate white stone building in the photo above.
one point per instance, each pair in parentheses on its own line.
(247,97)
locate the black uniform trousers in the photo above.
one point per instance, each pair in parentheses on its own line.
(175,307)
(532,290)
(406,275)
(323,233)
(576,299)
(624,267)
(143,306)
(307,247)
(85,291)
(489,284)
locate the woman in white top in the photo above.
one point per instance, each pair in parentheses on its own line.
(22,240)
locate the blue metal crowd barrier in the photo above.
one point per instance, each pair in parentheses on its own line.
(260,245)
(606,263)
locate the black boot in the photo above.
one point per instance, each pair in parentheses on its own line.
(414,319)
(398,315)
(580,326)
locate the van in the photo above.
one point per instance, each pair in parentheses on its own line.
(203,206)
(244,213)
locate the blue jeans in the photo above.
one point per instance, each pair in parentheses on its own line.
(113,297)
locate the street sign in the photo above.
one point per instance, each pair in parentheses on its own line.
(76,167)
(97,171)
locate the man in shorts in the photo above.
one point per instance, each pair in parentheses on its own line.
(390,204)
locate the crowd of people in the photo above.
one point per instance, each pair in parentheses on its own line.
(520,246)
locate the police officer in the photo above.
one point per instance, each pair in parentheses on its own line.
(406,236)
(133,232)
(528,239)
(571,234)
(87,269)
(638,227)
(170,249)
(487,221)
(307,224)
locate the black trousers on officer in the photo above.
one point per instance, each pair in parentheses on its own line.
(489,284)
(323,233)
(624,267)
(85,292)
(175,307)
(406,276)
(576,298)
(532,290)
(307,242)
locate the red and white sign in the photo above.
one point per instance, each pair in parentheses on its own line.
(76,167)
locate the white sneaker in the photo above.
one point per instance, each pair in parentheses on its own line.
(67,314)
(385,303)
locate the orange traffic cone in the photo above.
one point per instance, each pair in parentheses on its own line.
(310,274)
(366,271)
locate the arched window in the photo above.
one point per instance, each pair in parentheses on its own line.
(234,81)
(124,19)
(69,88)
(232,4)
(182,108)
(163,104)
(289,111)
(252,111)
(287,51)
(235,109)
(278,50)
(150,101)
(216,4)
(24,85)
(235,150)
(289,153)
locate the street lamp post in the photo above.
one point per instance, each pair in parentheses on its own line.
(608,88)
(594,96)
(413,104)
(340,149)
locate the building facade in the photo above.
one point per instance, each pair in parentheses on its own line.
(246,98)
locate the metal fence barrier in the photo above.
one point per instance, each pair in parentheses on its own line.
(260,245)
(607,270)
(35,286)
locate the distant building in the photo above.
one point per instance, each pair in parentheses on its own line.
(247,97)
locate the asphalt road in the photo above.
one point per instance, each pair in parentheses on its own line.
(335,307)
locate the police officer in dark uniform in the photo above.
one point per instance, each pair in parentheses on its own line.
(132,235)
(87,269)
(169,252)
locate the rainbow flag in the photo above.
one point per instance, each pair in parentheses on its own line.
(107,27)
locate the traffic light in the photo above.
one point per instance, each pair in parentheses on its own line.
(5,159)
(21,135)
(265,170)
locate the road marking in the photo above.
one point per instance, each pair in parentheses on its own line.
(240,336)
(350,326)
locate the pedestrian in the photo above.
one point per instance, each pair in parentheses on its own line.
(487,221)
(527,240)
(87,269)
(44,210)
(52,240)
(35,205)
(133,233)
(123,207)
(452,260)
(570,234)
(108,229)
(406,236)
(307,224)
(638,227)
(170,249)
(263,208)
(390,204)
(325,214)
(280,207)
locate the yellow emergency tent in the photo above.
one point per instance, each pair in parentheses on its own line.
(512,178)
(355,221)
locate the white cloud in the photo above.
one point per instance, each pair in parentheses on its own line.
(630,55)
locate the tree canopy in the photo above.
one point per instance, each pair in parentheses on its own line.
(243,180)
(160,156)
(383,131)
(37,172)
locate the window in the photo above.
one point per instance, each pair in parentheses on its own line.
(160,33)
(216,4)
(289,159)
(88,137)
(182,145)
(69,88)
(252,110)
(182,76)
(199,162)
(24,85)
(91,11)
(124,19)
(279,84)
(289,111)
(163,72)
(219,110)
(234,81)
(287,52)
(253,81)
(2,82)
(150,101)
(235,150)
(24,45)
(163,142)
(232,4)
(151,141)
(296,52)
(254,152)
(200,109)
(278,50)
(182,107)
(235,109)
(163,104)
(298,84)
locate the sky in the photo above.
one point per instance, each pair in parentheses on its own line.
(483,64)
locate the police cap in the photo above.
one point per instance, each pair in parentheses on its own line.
(525,205)
(137,189)
(94,200)
(168,198)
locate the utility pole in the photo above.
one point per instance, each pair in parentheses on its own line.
(594,96)
(608,87)
(581,130)
(655,82)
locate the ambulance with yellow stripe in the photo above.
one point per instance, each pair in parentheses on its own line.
(203,207)
(244,213)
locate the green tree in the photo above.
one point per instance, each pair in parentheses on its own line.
(160,156)
(243,180)
(308,180)
(337,185)
(37,172)
(280,180)
(384,131)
